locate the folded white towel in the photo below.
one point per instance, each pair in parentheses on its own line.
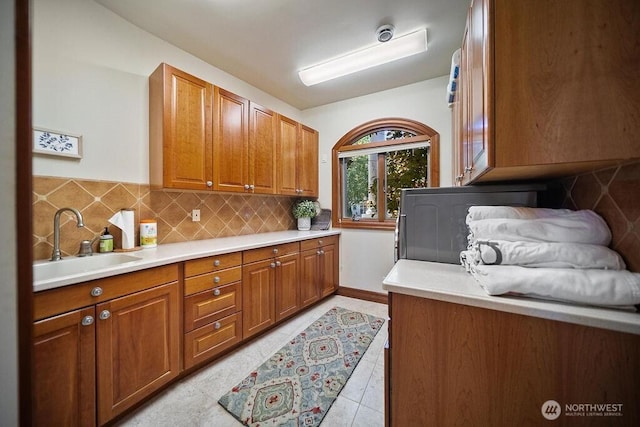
(514,212)
(583,226)
(555,255)
(594,287)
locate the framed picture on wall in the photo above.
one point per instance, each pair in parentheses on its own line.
(56,143)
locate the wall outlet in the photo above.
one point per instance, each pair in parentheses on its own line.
(195,215)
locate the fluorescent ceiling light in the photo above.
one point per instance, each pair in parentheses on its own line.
(378,54)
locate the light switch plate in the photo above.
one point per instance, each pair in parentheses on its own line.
(195,215)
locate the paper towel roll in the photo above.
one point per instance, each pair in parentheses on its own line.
(124,220)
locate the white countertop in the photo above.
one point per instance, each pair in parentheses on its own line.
(177,252)
(451,283)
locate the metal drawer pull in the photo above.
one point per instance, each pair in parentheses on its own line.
(105,314)
(216,325)
(216,292)
(275,250)
(216,263)
(319,252)
(87,320)
(278,263)
(272,265)
(96,292)
(209,183)
(216,279)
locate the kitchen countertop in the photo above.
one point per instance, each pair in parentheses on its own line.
(177,252)
(451,283)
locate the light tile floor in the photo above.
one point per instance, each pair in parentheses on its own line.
(193,401)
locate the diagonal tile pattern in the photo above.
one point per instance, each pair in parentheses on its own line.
(613,193)
(221,214)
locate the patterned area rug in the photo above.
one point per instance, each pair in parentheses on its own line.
(298,384)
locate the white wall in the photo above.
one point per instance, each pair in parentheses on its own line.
(366,255)
(90,77)
(8,283)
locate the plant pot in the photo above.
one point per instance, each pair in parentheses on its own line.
(304,223)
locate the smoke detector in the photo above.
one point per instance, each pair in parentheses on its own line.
(385,33)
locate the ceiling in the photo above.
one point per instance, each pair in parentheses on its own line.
(265,42)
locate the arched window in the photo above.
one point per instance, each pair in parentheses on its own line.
(372,162)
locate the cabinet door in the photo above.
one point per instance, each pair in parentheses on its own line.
(478,126)
(308,162)
(64,370)
(258,308)
(287,152)
(138,347)
(309,277)
(179,130)
(287,285)
(328,270)
(262,150)
(230,141)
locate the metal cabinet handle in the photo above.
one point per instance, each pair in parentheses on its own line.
(318,252)
(272,265)
(209,183)
(105,314)
(275,250)
(252,187)
(468,169)
(278,263)
(216,279)
(320,242)
(321,252)
(216,292)
(246,187)
(87,320)
(216,263)
(96,292)
(217,325)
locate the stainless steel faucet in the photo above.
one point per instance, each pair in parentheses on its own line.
(55,255)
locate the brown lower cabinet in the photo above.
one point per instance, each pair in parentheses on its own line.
(127,344)
(103,346)
(453,364)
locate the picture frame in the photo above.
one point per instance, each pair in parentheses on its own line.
(57,143)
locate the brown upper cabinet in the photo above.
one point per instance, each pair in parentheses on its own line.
(297,151)
(547,89)
(180,130)
(203,137)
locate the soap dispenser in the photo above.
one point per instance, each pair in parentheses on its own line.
(106,241)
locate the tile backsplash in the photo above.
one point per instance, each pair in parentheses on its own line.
(221,214)
(613,193)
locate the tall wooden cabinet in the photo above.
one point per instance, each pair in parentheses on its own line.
(297,150)
(102,346)
(180,130)
(547,88)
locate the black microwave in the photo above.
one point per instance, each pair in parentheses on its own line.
(431,223)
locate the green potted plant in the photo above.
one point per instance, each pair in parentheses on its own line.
(304,210)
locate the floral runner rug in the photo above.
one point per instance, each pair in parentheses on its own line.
(298,384)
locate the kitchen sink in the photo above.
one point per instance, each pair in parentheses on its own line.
(69,266)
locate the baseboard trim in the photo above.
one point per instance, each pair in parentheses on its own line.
(363,294)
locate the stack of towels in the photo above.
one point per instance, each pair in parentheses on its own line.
(557,254)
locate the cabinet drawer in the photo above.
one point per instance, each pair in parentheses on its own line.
(209,340)
(203,282)
(67,298)
(270,252)
(212,304)
(316,243)
(213,263)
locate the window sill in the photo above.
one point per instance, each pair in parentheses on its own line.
(367,225)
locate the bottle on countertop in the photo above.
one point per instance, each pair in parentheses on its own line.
(106,241)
